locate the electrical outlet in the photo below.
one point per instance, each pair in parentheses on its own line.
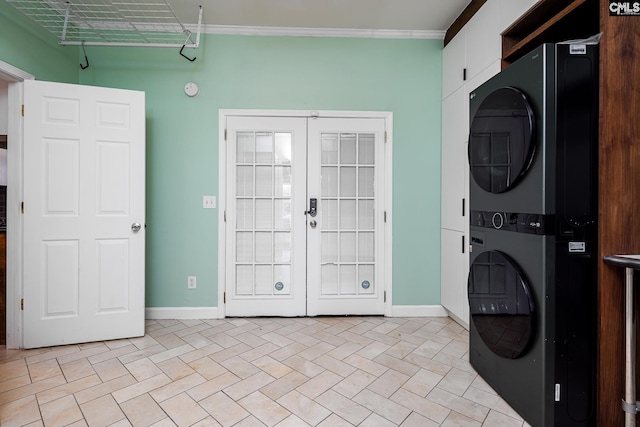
(191,282)
(208,202)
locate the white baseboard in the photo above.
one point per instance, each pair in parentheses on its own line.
(418,311)
(158,313)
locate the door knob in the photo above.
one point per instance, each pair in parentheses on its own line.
(136,227)
(313,223)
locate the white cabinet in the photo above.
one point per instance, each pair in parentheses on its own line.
(455,169)
(455,265)
(475,53)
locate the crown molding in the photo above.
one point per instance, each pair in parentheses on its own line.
(320,32)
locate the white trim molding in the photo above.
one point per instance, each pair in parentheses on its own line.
(162,313)
(419,311)
(320,32)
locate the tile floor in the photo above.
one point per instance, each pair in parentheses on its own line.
(323,371)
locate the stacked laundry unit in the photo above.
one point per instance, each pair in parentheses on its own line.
(533,145)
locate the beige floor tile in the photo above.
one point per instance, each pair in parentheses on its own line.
(213,386)
(382,406)
(396,364)
(334,421)
(77,369)
(284,385)
(421,405)
(304,408)
(143,411)
(457,381)
(319,384)
(223,409)
(110,369)
(327,371)
(497,419)
(143,369)
(14,383)
(183,410)
(102,412)
(207,367)
(248,385)
(104,388)
(43,370)
(68,388)
(354,383)
(272,366)
(175,368)
(176,387)
(137,389)
(422,382)
(13,369)
(387,383)
(343,407)
(61,412)
(457,420)
(264,409)
(458,404)
(334,365)
(20,412)
(240,367)
(417,420)
(375,420)
(31,389)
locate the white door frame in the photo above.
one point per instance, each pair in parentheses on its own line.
(14,195)
(222,185)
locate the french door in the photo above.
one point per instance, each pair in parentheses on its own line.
(304,216)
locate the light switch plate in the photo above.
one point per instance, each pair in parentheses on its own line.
(208,202)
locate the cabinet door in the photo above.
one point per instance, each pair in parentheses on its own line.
(454,272)
(455,166)
(484,43)
(453,63)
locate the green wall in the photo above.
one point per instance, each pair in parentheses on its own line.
(34,50)
(251,72)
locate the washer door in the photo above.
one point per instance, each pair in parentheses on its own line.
(501,304)
(501,144)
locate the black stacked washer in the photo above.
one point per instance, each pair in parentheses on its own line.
(533,146)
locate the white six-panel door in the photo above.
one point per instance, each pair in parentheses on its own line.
(84,214)
(282,259)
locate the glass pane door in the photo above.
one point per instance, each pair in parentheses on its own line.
(265,271)
(344,171)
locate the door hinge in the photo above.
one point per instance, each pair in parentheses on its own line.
(224,297)
(225,216)
(385,216)
(22,304)
(385,136)
(21,207)
(22,110)
(385,296)
(225,134)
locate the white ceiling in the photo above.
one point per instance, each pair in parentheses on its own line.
(398,15)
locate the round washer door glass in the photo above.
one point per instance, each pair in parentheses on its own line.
(501,144)
(501,304)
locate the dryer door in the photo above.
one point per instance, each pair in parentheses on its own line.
(501,304)
(501,143)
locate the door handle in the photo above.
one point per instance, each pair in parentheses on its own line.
(313,223)
(135,227)
(313,207)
